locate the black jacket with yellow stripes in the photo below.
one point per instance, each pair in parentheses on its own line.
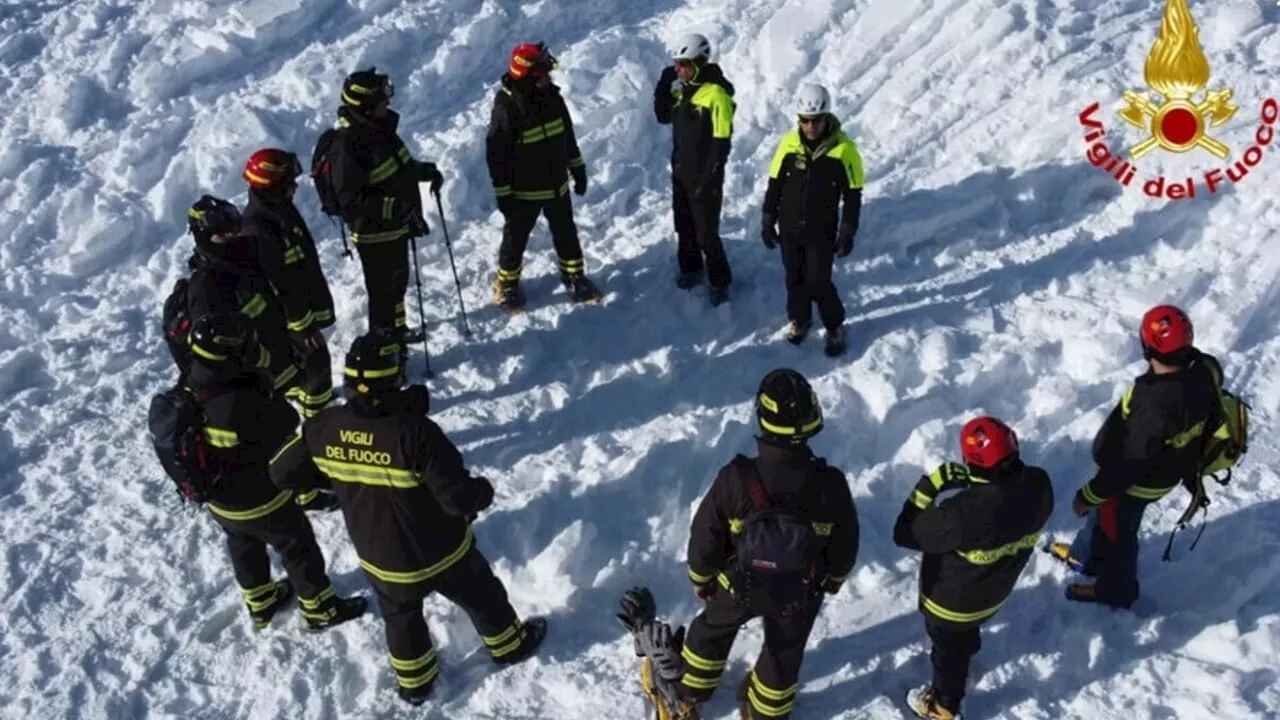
(808,180)
(530,145)
(701,119)
(376,179)
(977,542)
(1153,438)
(407,498)
(287,252)
(226,279)
(245,423)
(791,475)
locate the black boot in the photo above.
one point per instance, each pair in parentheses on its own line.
(418,695)
(688,280)
(534,631)
(336,612)
(718,294)
(835,342)
(581,289)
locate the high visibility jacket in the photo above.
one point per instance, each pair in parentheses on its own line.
(404,492)
(975,543)
(376,179)
(229,279)
(530,144)
(808,181)
(791,475)
(701,118)
(245,423)
(289,260)
(1153,438)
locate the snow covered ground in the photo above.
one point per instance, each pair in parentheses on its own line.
(996,271)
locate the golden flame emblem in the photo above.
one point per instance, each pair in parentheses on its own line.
(1177,69)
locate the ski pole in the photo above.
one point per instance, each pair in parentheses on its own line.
(346,249)
(422,318)
(466,329)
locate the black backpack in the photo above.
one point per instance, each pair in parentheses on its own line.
(778,555)
(176,324)
(321,173)
(176,425)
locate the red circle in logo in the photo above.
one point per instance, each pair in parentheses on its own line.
(1179,126)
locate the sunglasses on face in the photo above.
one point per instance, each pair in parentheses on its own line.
(811,120)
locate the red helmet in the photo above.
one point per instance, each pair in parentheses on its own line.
(986,442)
(530,59)
(1166,333)
(272,168)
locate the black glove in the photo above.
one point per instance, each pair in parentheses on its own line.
(769,231)
(307,341)
(663,648)
(638,609)
(668,78)
(411,218)
(504,205)
(324,501)
(830,586)
(579,180)
(486,495)
(428,172)
(844,243)
(948,476)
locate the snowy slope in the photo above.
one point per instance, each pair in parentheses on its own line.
(996,271)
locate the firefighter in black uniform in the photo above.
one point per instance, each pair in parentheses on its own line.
(227,276)
(246,422)
(975,545)
(409,503)
(700,111)
(376,181)
(1150,443)
(790,475)
(289,259)
(531,150)
(815,168)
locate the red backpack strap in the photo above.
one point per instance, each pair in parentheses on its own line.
(755,484)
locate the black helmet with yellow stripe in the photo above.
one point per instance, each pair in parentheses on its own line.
(227,340)
(374,364)
(787,409)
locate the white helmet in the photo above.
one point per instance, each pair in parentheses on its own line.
(691,47)
(812,99)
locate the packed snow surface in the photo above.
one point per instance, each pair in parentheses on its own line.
(996,271)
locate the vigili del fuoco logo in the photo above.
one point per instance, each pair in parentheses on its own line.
(1177,71)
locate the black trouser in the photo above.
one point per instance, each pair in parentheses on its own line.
(520,222)
(317,381)
(953,648)
(1114,550)
(288,532)
(698,230)
(775,678)
(471,585)
(807,261)
(386,279)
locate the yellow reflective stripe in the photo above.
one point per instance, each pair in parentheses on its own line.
(502,190)
(921,500)
(987,557)
(509,275)
(371,374)
(1090,497)
(379,237)
(1185,437)
(735,525)
(699,683)
(502,637)
(285,447)
(541,132)
(534,194)
(286,376)
(254,306)
(306,497)
(1148,493)
(1124,403)
(417,682)
(315,602)
(322,315)
(414,664)
(384,170)
(822,529)
(264,358)
(302,323)
(509,642)
(221,437)
(372,475)
(761,708)
(577,162)
(724,581)
(768,692)
(252,513)
(417,576)
(938,611)
(698,662)
(293,255)
(780,430)
(206,354)
(700,578)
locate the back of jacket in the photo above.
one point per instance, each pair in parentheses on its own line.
(1153,438)
(289,261)
(791,476)
(245,424)
(977,542)
(376,179)
(530,143)
(404,491)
